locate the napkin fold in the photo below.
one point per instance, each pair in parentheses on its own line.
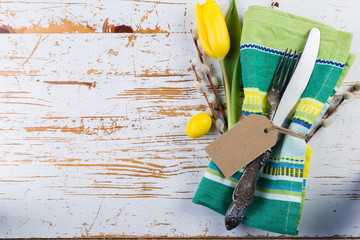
(281,186)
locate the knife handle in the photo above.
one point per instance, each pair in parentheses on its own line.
(245,189)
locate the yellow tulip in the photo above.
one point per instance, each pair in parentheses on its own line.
(213,33)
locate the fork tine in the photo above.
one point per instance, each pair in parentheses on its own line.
(283,70)
(277,71)
(287,77)
(296,63)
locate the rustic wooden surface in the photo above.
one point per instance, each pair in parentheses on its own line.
(92,133)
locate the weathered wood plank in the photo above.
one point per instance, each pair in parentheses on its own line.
(92,54)
(79,16)
(53,125)
(89,16)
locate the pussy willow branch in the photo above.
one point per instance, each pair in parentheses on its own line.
(329,114)
(206,98)
(274,4)
(209,79)
(198,50)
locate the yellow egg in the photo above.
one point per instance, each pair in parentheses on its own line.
(199,125)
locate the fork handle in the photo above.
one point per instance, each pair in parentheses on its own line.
(244,191)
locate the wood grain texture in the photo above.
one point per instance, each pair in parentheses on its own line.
(92,133)
(81,16)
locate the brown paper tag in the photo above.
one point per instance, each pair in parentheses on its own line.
(242,143)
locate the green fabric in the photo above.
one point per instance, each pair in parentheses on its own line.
(349,63)
(273,208)
(312,90)
(280,183)
(287,31)
(302,205)
(211,194)
(259,60)
(280,190)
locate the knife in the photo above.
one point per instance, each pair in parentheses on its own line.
(299,80)
(245,189)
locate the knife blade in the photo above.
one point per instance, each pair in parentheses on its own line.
(299,80)
(245,189)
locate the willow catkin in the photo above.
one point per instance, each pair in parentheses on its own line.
(194,32)
(195,61)
(200,87)
(209,112)
(347,95)
(215,81)
(325,123)
(219,123)
(357,86)
(205,69)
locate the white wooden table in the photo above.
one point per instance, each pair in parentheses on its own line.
(92,124)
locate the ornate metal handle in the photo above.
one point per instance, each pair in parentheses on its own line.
(244,192)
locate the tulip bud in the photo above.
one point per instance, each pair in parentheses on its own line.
(213,32)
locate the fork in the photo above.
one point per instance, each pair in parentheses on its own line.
(245,189)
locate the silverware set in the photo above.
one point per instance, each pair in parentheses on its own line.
(290,78)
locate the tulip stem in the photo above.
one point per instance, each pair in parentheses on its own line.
(227,91)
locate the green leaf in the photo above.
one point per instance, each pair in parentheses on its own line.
(234,28)
(232,64)
(236,92)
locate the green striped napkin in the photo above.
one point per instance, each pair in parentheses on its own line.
(280,190)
